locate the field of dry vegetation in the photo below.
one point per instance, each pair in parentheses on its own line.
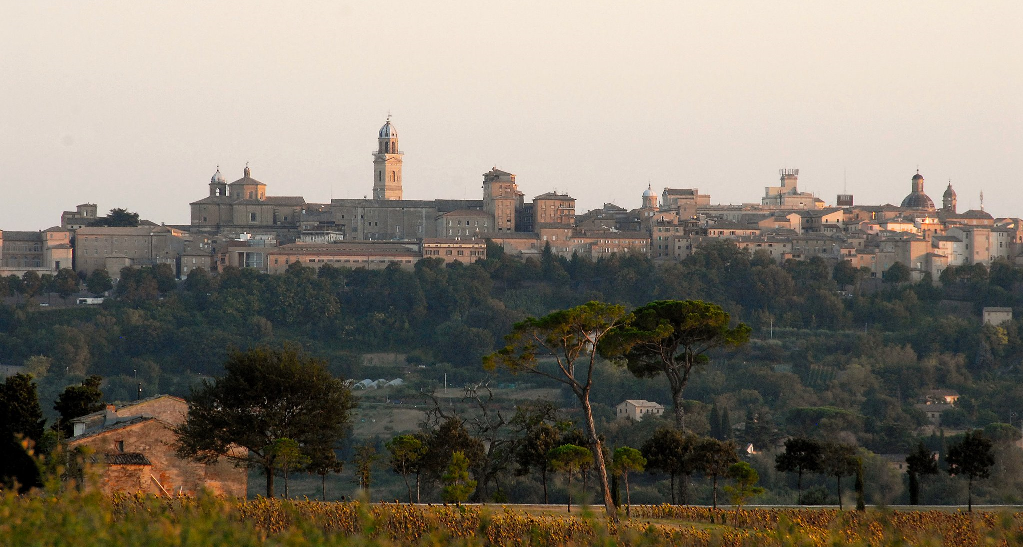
(89,519)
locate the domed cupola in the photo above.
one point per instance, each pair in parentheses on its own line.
(218,184)
(649,198)
(388,131)
(948,200)
(917,199)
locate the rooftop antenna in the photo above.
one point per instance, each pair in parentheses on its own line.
(981,200)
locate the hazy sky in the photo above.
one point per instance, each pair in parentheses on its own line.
(135,104)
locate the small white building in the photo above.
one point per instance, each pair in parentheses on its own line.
(997,316)
(637,409)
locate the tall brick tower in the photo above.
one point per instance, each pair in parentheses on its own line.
(387,164)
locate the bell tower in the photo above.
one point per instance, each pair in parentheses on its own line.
(387,164)
(948,200)
(218,185)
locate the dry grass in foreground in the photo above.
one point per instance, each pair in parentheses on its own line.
(89,519)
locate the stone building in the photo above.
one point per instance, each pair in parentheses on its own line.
(42,252)
(243,206)
(80,217)
(553,208)
(465,223)
(450,250)
(112,248)
(637,409)
(502,199)
(683,201)
(371,255)
(787,195)
(133,446)
(393,220)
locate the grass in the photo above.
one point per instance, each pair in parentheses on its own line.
(88,519)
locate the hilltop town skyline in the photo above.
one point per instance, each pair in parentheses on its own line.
(592,201)
(135,106)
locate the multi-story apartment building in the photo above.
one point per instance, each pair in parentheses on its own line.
(501,199)
(553,208)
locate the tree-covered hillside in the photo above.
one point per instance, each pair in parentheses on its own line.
(830,351)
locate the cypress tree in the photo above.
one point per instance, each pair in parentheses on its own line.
(726,425)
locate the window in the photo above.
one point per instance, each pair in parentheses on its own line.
(252,217)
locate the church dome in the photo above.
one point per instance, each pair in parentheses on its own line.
(649,192)
(918,200)
(217,177)
(388,131)
(949,192)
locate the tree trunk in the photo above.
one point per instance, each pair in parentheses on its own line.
(799,486)
(683,489)
(417,489)
(715,480)
(969,495)
(673,502)
(269,482)
(286,491)
(408,487)
(628,498)
(609,505)
(323,486)
(677,385)
(839,480)
(543,476)
(914,489)
(570,491)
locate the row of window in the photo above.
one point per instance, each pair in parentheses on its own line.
(23,263)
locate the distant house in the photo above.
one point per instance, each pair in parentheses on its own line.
(133,446)
(997,316)
(949,396)
(637,409)
(934,411)
(895,461)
